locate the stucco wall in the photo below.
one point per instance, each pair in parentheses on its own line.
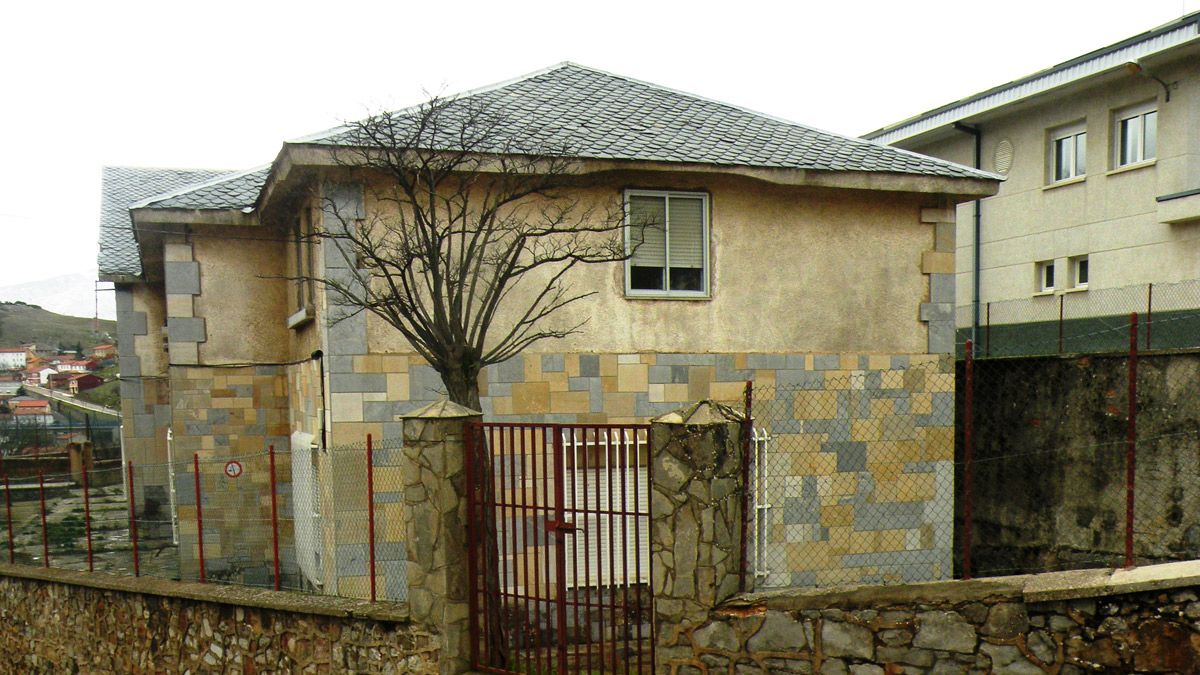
(243,296)
(833,270)
(1111,216)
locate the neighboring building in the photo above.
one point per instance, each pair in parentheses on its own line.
(39,376)
(1102,193)
(82,382)
(814,256)
(31,411)
(72,365)
(104,352)
(12,359)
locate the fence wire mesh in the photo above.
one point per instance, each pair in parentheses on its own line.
(852,476)
(1094,321)
(272,519)
(1065,473)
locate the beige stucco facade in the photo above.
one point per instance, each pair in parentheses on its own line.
(1111,213)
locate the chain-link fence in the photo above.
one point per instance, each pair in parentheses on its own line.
(1095,321)
(852,475)
(315,520)
(1058,470)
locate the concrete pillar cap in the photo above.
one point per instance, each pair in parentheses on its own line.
(441,409)
(702,412)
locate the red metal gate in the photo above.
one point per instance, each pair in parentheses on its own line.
(559,551)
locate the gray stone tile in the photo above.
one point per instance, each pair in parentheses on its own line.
(766,361)
(889,516)
(589,365)
(799,379)
(424,384)
(351,559)
(181,278)
(359,382)
(348,335)
(659,374)
(900,362)
(553,363)
(851,455)
(512,370)
(827,362)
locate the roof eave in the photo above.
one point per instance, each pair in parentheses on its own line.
(157,216)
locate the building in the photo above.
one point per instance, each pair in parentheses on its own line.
(78,382)
(799,256)
(39,376)
(104,352)
(1099,214)
(74,365)
(12,359)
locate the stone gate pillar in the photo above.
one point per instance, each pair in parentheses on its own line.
(696,516)
(435,526)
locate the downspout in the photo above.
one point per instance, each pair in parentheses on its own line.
(974,131)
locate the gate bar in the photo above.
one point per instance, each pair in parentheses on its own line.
(1131,439)
(968,457)
(371,513)
(133,533)
(747,432)
(12,553)
(560,541)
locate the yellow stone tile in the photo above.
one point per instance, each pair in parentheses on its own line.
(394,363)
(886,470)
(649,358)
(502,405)
(815,405)
(619,405)
(739,361)
(557,381)
(727,391)
(571,364)
(533,368)
(940,382)
(844,484)
(608,365)
(882,407)
(865,430)
(939,443)
(849,361)
(657,393)
(632,377)
(531,397)
(397,386)
(699,379)
(764,378)
(879,361)
(608,385)
(675,393)
(840,515)
(569,402)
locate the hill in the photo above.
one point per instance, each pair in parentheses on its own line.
(69,294)
(21,323)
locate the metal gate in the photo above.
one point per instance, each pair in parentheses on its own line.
(559,550)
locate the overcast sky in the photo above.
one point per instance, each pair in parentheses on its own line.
(219,84)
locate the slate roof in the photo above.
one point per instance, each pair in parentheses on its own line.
(599,115)
(122,186)
(227,191)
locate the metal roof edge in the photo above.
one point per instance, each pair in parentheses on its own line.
(1188,26)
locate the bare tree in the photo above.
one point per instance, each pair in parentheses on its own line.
(473,228)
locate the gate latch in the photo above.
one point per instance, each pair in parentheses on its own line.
(563,526)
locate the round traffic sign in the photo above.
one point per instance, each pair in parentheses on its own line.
(233,469)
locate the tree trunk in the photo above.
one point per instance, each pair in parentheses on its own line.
(462,387)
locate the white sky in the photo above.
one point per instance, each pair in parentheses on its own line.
(220,84)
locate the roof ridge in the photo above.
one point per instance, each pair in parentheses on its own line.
(216,180)
(125,167)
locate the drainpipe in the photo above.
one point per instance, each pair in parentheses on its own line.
(974,131)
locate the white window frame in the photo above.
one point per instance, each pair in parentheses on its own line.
(1076,264)
(706,271)
(1042,266)
(1075,135)
(1138,112)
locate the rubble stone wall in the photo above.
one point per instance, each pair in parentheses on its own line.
(1061,623)
(55,621)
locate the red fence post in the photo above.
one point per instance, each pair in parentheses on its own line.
(45,533)
(199,514)
(1131,439)
(968,457)
(12,552)
(747,504)
(133,535)
(1060,323)
(371,514)
(1149,312)
(87,518)
(987,349)
(274,519)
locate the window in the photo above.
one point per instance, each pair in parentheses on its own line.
(1045,276)
(1079,271)
(1068,149)
(302,270)
(1136,135)
(667,239)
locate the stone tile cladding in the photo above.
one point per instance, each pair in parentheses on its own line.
(63,628)
(1152,632)
(857,478)
(862,450)
(226,414)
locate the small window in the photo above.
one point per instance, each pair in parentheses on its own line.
(667,242)
(1136,135)
(1079,271)
(1068,152)
(1045,276)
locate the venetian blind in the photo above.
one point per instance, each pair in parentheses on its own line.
(647,234)
(686,233)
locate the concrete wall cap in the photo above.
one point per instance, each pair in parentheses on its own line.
(441,409)
(702,412)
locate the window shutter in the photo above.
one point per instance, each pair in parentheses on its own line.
(686,233)
(647,218)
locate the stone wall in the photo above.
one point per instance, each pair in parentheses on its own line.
(54,621)
(1144,620)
